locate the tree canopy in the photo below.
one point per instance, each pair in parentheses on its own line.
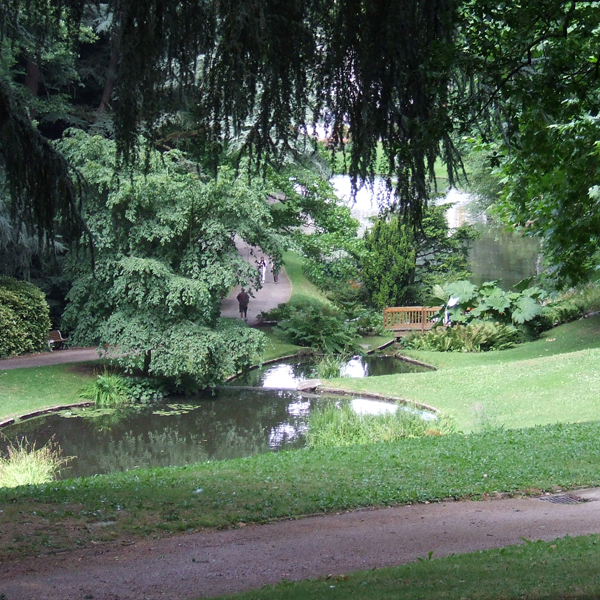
(250,78)
(257,75)
(165,256)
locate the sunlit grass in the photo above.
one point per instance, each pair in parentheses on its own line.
(24,464)
(337,425)
(26,390)
(553,380)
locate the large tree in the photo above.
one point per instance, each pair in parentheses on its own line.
(258,73)
(534,68)
(165,256)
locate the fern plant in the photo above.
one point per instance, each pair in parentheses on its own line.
(477,336)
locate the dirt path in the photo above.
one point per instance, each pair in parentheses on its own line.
(269,296)
(213,563)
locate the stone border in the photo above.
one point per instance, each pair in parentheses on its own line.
(376,396)
(43,411)
(413,361)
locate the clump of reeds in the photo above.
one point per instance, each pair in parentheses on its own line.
(24,464)
(339,425)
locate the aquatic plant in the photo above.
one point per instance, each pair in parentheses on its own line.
(24,464)
(339,425)
(329,366)
(109,389)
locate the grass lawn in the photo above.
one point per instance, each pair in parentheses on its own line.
(26,390)
(302,289)
(551,384)
(152,502)
(553,380)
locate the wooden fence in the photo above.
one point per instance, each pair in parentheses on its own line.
(401,319)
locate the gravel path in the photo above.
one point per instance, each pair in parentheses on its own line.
(213,563)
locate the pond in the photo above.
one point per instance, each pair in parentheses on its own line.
(234,422)
(288,374)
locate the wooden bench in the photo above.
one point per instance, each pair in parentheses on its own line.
(405,319)
(55,339)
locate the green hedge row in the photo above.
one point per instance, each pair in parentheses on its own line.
(24,318)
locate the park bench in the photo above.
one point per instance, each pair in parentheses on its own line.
(55,339)
(406,319)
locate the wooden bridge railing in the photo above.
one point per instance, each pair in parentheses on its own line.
(409,318)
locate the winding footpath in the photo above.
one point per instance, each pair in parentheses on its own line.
(212,563)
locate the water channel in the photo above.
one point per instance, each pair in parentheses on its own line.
(258,414)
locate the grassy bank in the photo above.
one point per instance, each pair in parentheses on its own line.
(565,568)
(26,390)
(553,380)
(273,486)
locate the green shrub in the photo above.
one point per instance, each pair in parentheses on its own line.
(113,389)
(287,309)
(368,321)
(573,304)
(478,336)
(464,302)
(338,425)
(317,328)
(109,390)
(24,319)
(26,465)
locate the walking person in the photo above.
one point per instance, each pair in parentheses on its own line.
(275,268)
(243,300)
(262,269)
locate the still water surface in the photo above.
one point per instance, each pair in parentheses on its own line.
(233,423)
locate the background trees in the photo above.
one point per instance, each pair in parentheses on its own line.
(400,266)
(535,72)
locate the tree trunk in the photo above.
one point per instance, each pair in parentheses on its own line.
(32,80)
(147,359)
(110,80)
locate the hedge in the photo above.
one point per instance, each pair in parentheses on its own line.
(24,318)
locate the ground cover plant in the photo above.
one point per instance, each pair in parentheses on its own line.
(565,568)
(337,425)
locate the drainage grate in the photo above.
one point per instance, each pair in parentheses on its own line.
(565,499)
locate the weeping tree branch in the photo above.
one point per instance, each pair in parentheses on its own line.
(43,195)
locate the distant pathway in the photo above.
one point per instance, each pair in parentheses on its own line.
(44,359)
(269,296)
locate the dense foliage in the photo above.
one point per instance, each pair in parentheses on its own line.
(249,76)
(165,255)
(535,65)
(400,266)
(319,328)
(464,302)
(24,320)
(476,336)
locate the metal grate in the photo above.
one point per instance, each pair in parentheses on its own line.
(565,499)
